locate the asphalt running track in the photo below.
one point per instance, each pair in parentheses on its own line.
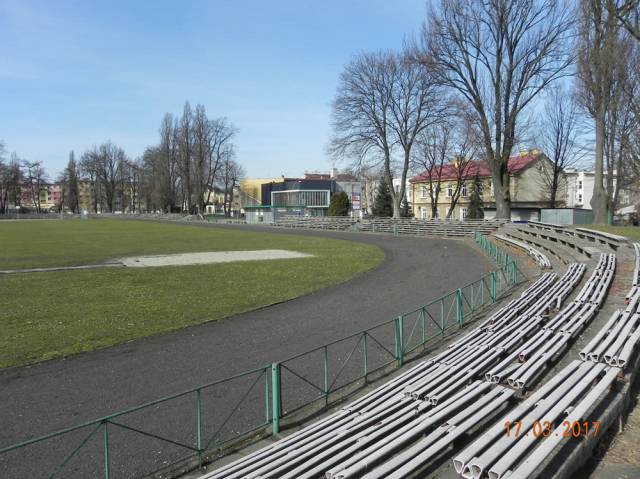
(56,394)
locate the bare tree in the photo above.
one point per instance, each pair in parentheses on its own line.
(4,169)
(201,143)
(361,110)
(383,101)
(13,181)
(631,167)
(105,165)
(185,144)
(36,179)
(88,168)
(621,122)
(181,172)
(220,143)
(599,45)
(415,105)
(464,152)
(559,138)
(434,151)
(498,56)
(628,14)
(231,173)
(131,172)
(165,169)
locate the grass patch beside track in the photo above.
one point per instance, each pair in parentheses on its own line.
(48,315)
(632,232)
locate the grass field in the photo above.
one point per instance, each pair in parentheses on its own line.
(633,232)
(47,315)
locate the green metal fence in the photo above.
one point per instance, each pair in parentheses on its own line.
(503,259)
(196,423)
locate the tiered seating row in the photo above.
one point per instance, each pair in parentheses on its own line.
(529,361)
(414,226)
(542,418)
(616,341)
(401,426)
(404,226)
(594,236)
(539,257)
(519,451)
(551,236)
(635,280)
(339,223)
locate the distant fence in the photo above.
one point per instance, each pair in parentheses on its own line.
(30,216)
(193,426)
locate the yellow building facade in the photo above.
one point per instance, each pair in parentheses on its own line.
(528,188)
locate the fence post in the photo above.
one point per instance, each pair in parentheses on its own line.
(267,396)
(493,286)
(199,425)
(326,375)
(275,398)
(105,435)
(366,362)
(459,308)
(399,322)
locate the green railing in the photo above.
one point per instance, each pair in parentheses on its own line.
(192,426)
(503,259)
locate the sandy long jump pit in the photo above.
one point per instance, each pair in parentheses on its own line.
(185,259)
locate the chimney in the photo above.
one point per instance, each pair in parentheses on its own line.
(334,172)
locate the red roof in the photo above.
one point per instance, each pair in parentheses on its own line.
(449,172)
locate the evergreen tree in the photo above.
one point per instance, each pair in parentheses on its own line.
(383,203)
(476,205)
(339,205)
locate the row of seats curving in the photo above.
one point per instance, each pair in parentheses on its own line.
(545,419)
(539,257)
(405,424)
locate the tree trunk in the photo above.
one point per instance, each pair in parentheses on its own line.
(599,198)
(554,189)
(501,182)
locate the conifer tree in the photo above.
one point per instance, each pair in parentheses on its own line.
(383,203)
(476,204)
(339,204)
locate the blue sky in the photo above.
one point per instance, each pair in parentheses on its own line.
(78,73)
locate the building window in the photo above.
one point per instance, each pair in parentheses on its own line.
(580,184)
(580,198)
(449,190)
(423,192)
(308,198)
(463,213)
(463,189)
(423,213)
